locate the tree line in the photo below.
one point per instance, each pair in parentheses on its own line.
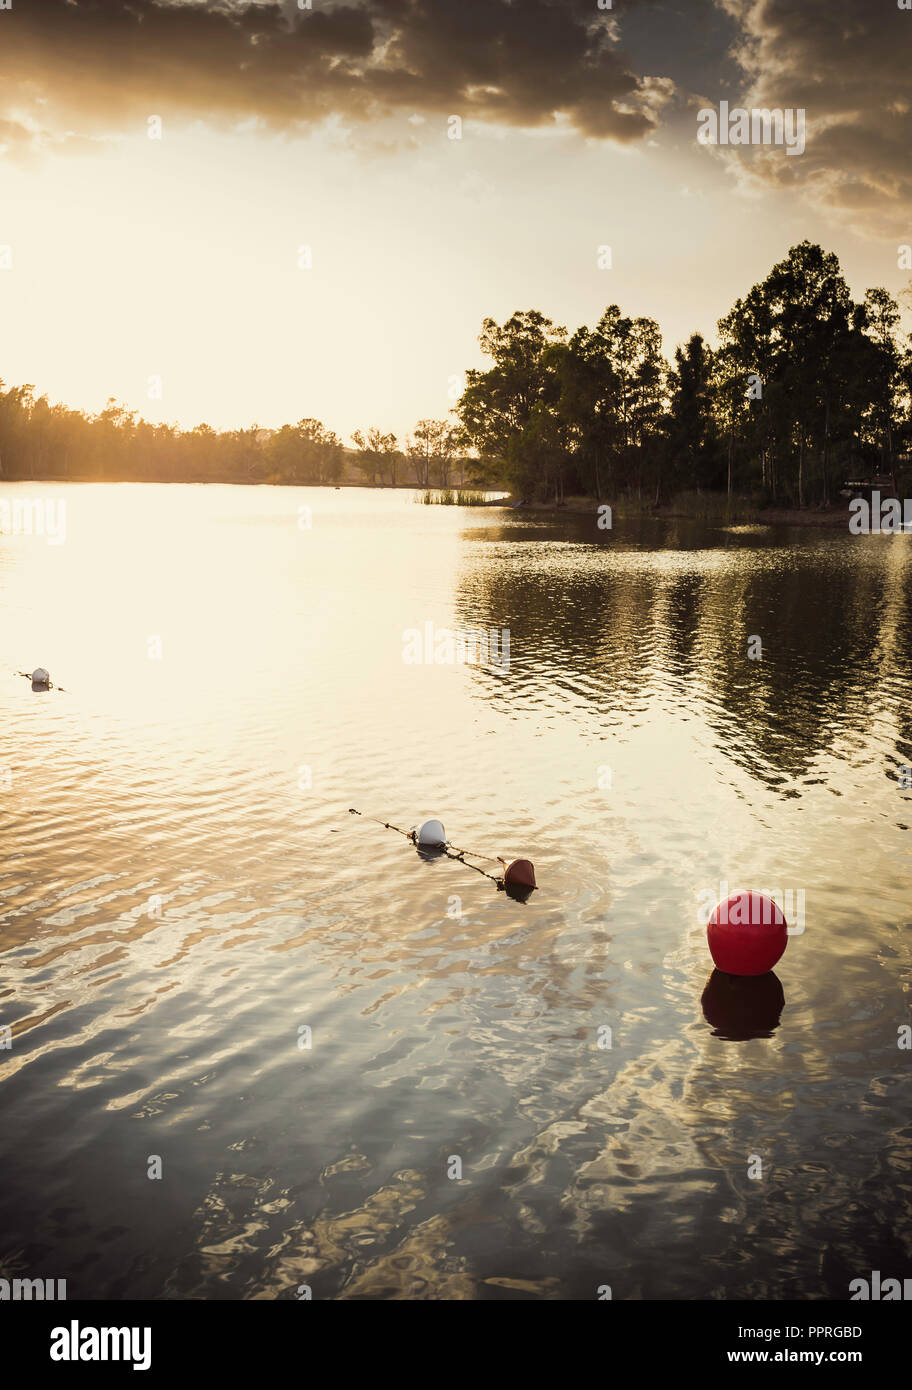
(805,390)
(40,440)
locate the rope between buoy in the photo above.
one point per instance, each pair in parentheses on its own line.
(451,851)
(474,854)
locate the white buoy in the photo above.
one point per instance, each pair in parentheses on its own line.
(431,832)
(40,676)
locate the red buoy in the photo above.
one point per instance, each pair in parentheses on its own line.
(520,873)
(747,934)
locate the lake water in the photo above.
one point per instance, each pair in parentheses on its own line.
(183,893)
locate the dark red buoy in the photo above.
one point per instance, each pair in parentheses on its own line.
(520,873)
(747,934)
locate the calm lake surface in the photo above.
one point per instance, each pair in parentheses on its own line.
(177,903)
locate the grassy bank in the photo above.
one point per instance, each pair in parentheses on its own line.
(452,497)
(712,508)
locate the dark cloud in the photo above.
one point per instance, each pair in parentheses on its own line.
(91,66)
(77,70)
(846,63)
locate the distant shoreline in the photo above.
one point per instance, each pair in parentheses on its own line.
(260,482)
(831,518)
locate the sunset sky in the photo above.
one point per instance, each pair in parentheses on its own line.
(281,128)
